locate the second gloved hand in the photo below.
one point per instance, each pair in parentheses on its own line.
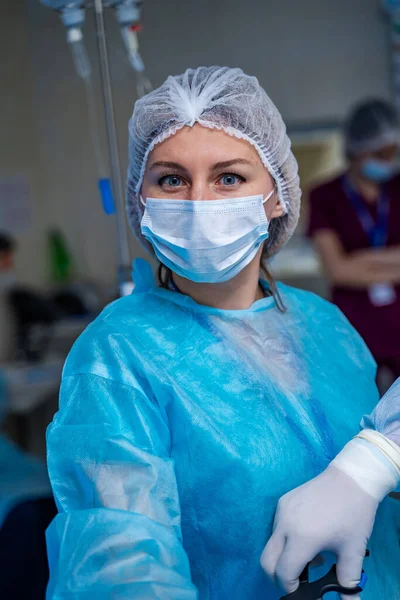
(330,512)
(333,512)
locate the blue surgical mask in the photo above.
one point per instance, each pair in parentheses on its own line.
(379,171)
(206,241)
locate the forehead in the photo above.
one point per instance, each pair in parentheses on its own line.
(198,142)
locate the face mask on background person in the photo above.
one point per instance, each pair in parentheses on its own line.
(379,171)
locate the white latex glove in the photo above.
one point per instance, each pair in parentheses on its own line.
(333,512)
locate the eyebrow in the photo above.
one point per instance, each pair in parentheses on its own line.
(216,167)
(166,164)
(229,163)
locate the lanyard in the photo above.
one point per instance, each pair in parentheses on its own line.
(378,231)
(173,286)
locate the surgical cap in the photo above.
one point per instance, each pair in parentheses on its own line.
(217,98)
(371,126)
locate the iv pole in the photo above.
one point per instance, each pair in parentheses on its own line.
(393,9)
(72,14)
(112,143)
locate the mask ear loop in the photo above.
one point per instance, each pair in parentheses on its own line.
(269,195)
(142,201)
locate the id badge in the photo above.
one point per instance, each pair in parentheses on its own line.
(382,294)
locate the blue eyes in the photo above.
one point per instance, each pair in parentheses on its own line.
(171,180)
(227,180)
(230,179)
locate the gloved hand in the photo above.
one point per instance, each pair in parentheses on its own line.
(333,512)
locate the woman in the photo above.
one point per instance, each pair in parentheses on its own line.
(355,226)
(188,409)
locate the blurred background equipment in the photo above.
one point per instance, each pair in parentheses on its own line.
(26,509)
(34,316)
(60,258)
(128,17)
(38,327)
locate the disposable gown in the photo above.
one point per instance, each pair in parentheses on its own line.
(386,416)
(180,426)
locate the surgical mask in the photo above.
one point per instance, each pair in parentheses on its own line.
(379,171)
(206,241)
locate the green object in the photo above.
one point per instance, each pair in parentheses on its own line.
(61,262)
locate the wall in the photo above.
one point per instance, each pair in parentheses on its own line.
(18,142)
(315,58)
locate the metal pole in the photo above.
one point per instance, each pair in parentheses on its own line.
(112,143)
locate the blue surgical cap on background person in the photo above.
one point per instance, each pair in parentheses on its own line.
(372,125)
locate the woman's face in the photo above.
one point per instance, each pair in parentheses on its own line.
(198,163)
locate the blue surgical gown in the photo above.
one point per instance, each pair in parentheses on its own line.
(180,426)
(386,416)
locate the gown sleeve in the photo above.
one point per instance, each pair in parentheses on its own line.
(117,534)
(386,416)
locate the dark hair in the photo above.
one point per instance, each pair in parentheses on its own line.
(164,275)
(366,122)
(7,243)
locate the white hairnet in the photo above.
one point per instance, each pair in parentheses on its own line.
(371,126)
(218,98)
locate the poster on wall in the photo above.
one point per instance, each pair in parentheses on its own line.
(15,204)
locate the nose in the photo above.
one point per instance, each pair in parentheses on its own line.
(201,190)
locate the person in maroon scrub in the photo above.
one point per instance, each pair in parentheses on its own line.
(355,226)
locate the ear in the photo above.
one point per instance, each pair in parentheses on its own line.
(277,210)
